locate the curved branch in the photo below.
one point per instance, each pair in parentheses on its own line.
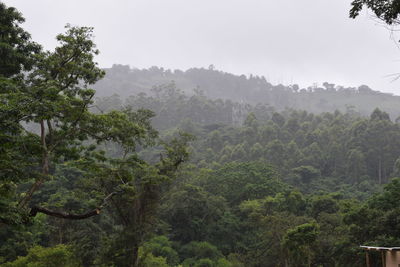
(64,215)
(69,216)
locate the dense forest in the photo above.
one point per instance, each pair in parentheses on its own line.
(214,84)
(161,168)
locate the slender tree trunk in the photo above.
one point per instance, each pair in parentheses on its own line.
(135,256)
(357,174)
(44,167)
(384,174)
(380,170)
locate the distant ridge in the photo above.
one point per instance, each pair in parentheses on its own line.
(126,81)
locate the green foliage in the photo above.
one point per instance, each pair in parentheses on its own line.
(149,260)
(376,222)
(200,250)
(388,198)
(192,212)
(237,182)
(17,53)
(323,203)
(265,186)
(225,97)
(386,10)
(60,255)
(160,246)
(302,235)
(16,47)
(306,173)
(202,254)
(299,241)
(51,131)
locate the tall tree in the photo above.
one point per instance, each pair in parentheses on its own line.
(386,10)
(16,47)
(46,123)
(17,53)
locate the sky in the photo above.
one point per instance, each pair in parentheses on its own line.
(288,41)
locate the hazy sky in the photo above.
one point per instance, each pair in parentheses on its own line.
(287,41)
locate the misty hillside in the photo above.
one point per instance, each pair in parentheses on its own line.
(215,84)
(127,167)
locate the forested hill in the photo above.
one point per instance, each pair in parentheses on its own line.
(126,81)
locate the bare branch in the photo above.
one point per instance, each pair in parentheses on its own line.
(69,216)
(63,215)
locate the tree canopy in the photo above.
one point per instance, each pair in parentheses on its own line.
(386,10)
(48,129)
(87,180)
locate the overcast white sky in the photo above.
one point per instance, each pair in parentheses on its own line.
(287,41)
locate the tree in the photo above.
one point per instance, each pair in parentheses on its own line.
(202,254)
(237,182)
(60,255)
(16,47)
(17,52)
(298,242)
(396,168)
(386,10)
(355,164)
(191,212)
(306,173)
(376,221)
(160,246)
(323,204)
(46,123)
(267,221)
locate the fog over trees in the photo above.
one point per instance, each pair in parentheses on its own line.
(125,81)
(155,167)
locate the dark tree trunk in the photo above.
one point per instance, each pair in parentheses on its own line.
(135,256)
